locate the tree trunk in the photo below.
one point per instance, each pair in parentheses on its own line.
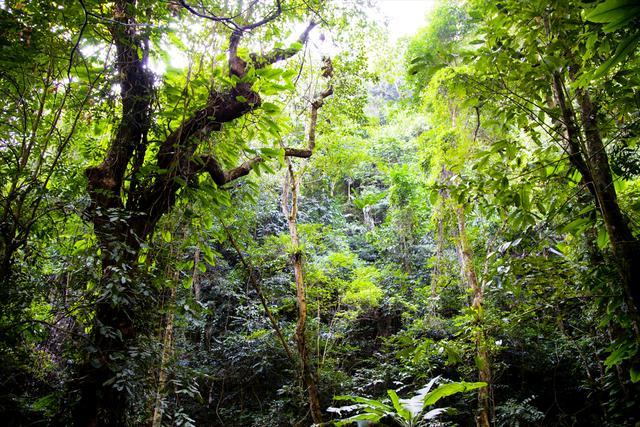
(256,286)
(306,372)
(369,221)
(290,189)
(167,349)
(482,352)
(123,220)
(625,247)
(591,160)
(113,331)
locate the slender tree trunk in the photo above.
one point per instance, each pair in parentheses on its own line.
(306,372)
(256,286)
(290,211)
(439,266)
(368,217)
(470,278)
(167,349)
(482,352)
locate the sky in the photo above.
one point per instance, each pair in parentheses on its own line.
(405,16)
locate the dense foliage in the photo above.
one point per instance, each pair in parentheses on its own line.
(251,213)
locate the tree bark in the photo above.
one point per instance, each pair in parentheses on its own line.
(591,160)
(290,211)
(167,348)
(306,372)
(482,353)
(123,221)
(625,247)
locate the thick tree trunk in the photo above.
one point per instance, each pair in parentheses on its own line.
(591,160)
(113,331)
(121,227)
(625,247)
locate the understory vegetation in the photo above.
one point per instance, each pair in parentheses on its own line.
(272,213)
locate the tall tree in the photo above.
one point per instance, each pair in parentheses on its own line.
(542,52)
(290,191)
(126,206)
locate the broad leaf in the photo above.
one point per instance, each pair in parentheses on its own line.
(400,409)
(448,389)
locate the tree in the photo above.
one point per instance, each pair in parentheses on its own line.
(127,203)
(290,211)
(539,70)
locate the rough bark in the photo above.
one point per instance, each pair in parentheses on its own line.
(625,247)
(572,134)
(120,226)
(290,211)
(588,155)
(306,372)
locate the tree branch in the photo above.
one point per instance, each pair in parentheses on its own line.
(177,157)
(280,54)
(229,22)
(210,165)
(315,106)
(105,180)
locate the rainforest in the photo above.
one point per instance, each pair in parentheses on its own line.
(319,213)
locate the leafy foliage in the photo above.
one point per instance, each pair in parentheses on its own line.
(406,412)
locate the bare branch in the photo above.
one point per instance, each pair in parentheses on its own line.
(315,106)
(77,44)
(298,152)
(279,54)
(210,165)
(243,169)
(273,15)
(229,22)
(223,20)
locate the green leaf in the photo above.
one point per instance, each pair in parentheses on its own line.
(400,409)
(270,107)
(603,238)
(614,13)
(209,256)
(448,389)
(371,402)
(625,48)
(576,226)
(272,152)
(622,352)
(366,416)
(166,235)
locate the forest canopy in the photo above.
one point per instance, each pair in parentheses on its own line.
(287,213)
